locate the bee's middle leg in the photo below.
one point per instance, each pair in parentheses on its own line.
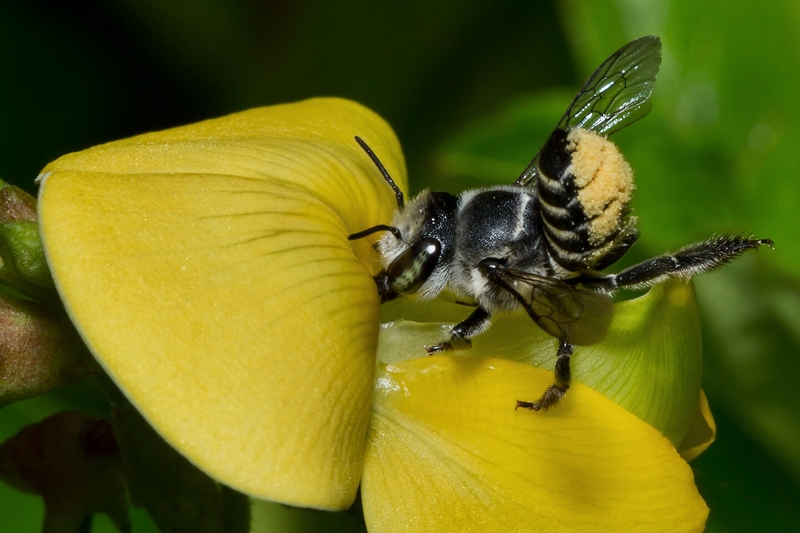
(559,388)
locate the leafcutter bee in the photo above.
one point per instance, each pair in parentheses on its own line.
(541,243)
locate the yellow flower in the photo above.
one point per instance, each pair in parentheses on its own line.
(208,269)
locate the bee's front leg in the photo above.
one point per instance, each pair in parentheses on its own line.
(462,333)
(557,390)
(385,291)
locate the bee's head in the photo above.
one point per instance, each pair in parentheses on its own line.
(423,241)
(420,239)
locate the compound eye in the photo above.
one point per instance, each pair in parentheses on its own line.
(413,267)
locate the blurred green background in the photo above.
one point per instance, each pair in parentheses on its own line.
(472,89)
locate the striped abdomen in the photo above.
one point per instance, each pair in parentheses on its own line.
(584,186)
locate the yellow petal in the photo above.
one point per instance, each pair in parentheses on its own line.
(208,269)
(447,452)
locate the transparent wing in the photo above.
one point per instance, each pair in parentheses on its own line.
(577,316)
(616,95)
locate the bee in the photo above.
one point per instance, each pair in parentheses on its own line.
(541,243)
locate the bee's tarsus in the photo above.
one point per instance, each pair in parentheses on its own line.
(454,343)
(555,392)
(552,395)
(765,242)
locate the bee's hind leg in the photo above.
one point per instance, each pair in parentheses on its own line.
(558,389)
(685,263)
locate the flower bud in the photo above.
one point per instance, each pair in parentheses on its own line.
(39,351)
(22,261)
